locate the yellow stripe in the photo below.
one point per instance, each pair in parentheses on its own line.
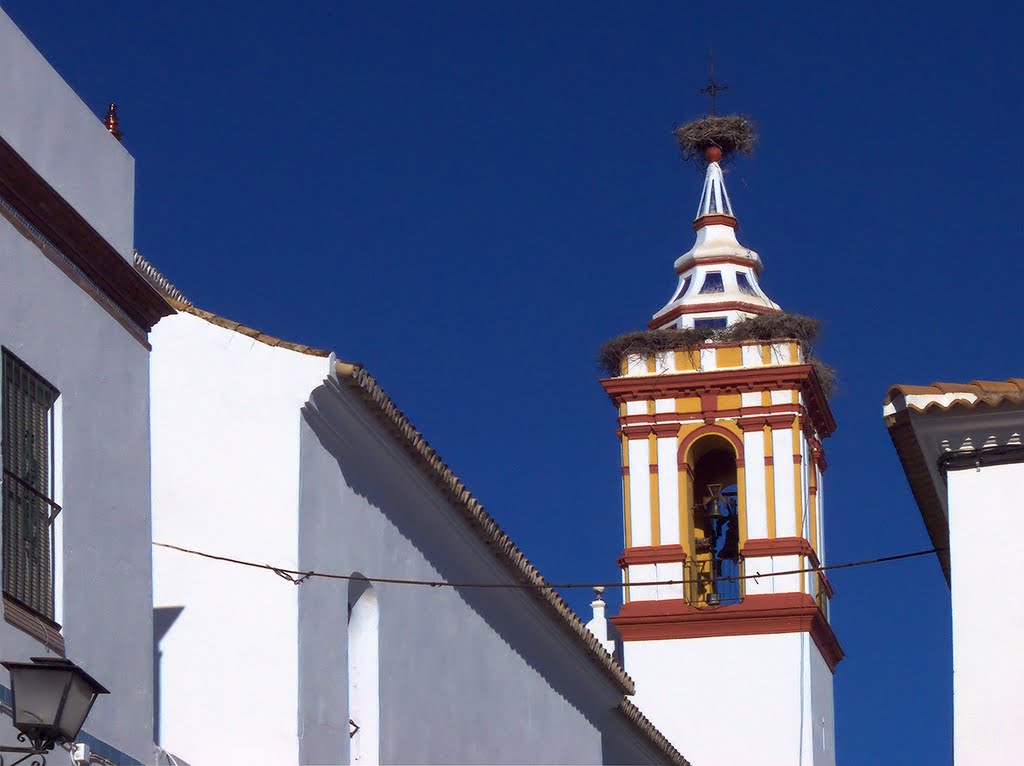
(766,353)
(731,356)
(625,511)
(625,494)
(650,363)
(730,401)
(741,495)
(769,482)
(687,360)
(812,503)
(798,483)
(685,515)
(688,404)
(652,457)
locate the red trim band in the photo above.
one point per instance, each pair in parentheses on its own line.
(715,219)
(761,614)
(701,308)
(802,377)
(666,430)
(763,547)
(787,546)
(652,554)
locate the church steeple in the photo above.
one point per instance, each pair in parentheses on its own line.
(719,281)
(725,615)
(714,199)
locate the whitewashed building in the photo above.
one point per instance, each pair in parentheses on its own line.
(723,487)
(275,453)
(74,318)
(961,448)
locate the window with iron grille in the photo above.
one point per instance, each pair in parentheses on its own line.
(29,509)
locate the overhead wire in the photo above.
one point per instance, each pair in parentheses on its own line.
(298,576)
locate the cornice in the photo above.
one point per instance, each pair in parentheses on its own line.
(62,227)
(738,380)
(704,308)
(762,614)
(652,554)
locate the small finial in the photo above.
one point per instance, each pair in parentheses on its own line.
(598,591)
(111,122)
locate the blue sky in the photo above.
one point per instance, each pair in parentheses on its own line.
(469,198)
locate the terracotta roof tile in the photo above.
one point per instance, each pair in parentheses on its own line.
(421,451)
(639,720)
(991,393)
(249,332)
(158,280)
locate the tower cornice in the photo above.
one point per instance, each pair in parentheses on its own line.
(715,218)
(755,615)
(704,308)
(674,385)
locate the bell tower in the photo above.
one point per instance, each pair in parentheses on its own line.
(722,413)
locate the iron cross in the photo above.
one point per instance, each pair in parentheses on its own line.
(712,89)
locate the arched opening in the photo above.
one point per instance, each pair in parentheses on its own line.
(363,673)
(714,551)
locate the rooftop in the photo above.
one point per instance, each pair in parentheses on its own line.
(396,422)
(955,396)
(932,425)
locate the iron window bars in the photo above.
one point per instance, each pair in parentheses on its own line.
(29,509)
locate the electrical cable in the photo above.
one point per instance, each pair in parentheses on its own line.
(297,577)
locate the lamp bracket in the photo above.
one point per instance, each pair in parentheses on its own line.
(37,752)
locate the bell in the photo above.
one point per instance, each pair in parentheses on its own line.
(713,502)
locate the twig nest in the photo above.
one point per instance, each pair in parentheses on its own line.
(716,139)
(774,326)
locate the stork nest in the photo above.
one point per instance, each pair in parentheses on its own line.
(733,134)
(775,326)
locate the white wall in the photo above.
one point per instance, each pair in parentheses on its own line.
(225,430)
(64,142)
(245,467)
(985,508)
(639,491)
(756,484)
(102,374)
(728,700)
(467,675)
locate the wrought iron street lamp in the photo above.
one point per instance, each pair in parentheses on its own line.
(51,698)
